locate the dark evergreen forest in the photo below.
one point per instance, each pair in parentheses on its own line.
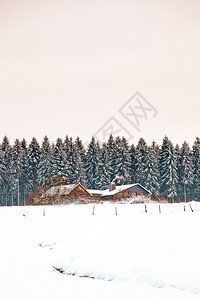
(166,170)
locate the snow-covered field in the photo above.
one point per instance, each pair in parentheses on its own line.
(134,255)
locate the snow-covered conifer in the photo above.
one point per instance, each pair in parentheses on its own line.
(16,169)
(82,159)
(111,146)
(132,169)
(33,159)
(152,180)
(92,162)
(168,170)
(141,161)
(123,161)
(44,167)
(177,152)
(196,169)
(5,161)
(186,170)
(73,162)
(104,169)
(24,182)
(58,167)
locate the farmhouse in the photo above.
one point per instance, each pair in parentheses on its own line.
(68,193)
(120,192)
(77,193)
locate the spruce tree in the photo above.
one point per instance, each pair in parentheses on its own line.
(15,171)
(104,169)
(123,161)
(82,156)
(92,162)
(74,165)
(59,164)
(141,161)
(112,156)
(186,169)
(2,174)
(44,167)
(196,169)
(24,182)
(177,152)
(168,170)
(33,159)
(132,169)
(5,157)
(152,180)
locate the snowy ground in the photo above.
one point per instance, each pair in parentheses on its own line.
(134,255)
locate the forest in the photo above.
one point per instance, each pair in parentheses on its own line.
(167,170)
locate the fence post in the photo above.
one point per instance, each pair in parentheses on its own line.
(116,211)
(191,208)
(159,209)
(93,210)
(44,212)
(145,208)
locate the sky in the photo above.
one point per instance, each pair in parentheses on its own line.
(84,68)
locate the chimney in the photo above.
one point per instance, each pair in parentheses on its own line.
(112,186)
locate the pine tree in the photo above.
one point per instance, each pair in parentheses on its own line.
(112,156)
(15,171)
(177,152)
(5,160)
(33,159)
(82,154)
(168,170)
(141,161)
(2,174)
(186,168)
(74,166)
(132,169)
(80,148)
(66,146)
(92,162)
(156,148)
(172,178)
(123,161)
(44,167)
(196,169)
(24,182)
(104,169)
(59,164)
(152,180)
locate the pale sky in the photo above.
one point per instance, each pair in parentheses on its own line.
(67,67)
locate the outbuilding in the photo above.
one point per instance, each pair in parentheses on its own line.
(118,192)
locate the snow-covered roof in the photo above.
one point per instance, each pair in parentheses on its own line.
(97,192)
(61,189)
(120,188)
(66,189)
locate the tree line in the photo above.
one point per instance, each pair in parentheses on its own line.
(166,170)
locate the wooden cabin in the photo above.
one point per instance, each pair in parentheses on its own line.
(120,192)
(68,193)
